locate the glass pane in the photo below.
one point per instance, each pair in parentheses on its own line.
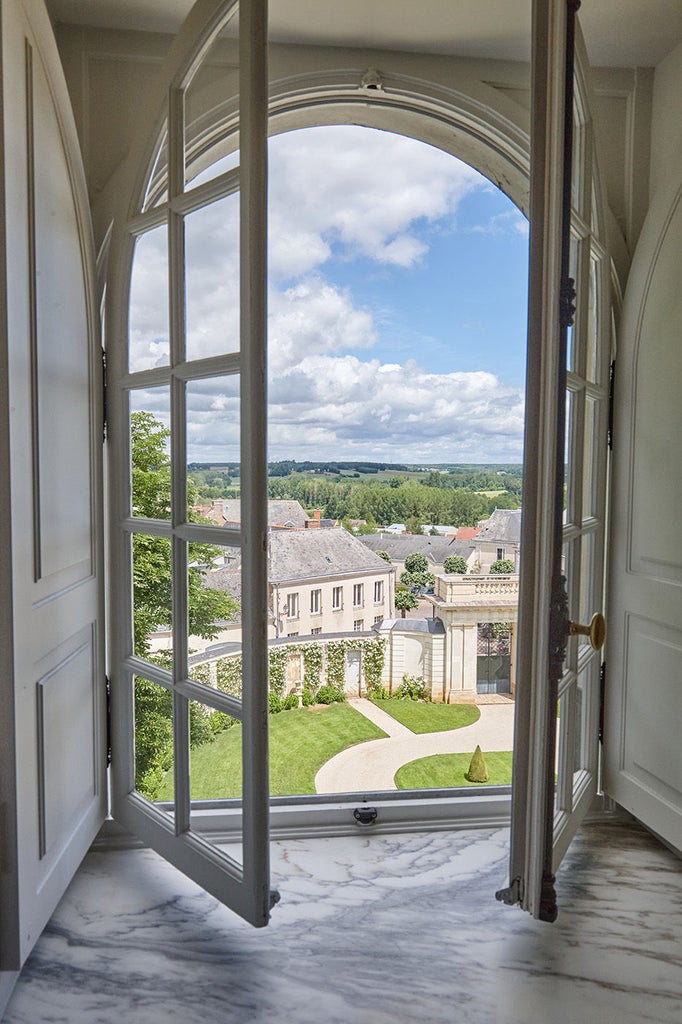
(579,711)
(148,328)
(153,706)
(569,459)
(573,272)
(561,714)
(589,582)
(212,97)
(150,453)
(213,450)
(592,368)
(152,598)
(157,186)
(215,754)
(212,279)
(591,437)
(215,591)
(214,165)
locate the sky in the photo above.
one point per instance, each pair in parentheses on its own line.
(397,307)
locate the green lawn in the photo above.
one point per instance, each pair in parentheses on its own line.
(300,743)
(422,717)
(445,770)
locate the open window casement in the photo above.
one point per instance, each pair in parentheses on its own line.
(556,746)
(53,754)
(168,203)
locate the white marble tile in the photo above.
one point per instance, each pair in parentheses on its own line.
(370,930)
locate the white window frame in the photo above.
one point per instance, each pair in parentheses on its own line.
(358,595)
(291,103)
(292,606)
(378,591)
(316,601)
(358,625)
(337,599)
(153,201)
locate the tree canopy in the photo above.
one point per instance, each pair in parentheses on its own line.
(405,600)
(152,602)
(152,591)
(502,566)
(455,564)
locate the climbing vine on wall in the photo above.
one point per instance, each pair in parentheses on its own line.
(229,676)
(373,652)
(312,665)
(336,663)
(322,663)
(277,674)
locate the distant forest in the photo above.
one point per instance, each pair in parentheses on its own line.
(380,493)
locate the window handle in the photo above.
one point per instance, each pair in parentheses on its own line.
(596,631)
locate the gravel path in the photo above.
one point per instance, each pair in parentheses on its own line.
(372,765)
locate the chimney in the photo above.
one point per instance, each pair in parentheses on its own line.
(314,523)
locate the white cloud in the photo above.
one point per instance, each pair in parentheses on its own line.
(366,189)
(347,191)
(512,221)
(340,406)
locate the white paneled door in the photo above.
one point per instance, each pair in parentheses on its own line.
(52,745)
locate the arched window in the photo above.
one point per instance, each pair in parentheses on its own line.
(208,159)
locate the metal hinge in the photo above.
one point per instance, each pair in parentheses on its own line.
(612,379)
(602,693)
(105,421)
(107,684)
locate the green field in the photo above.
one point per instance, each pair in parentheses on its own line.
(301,741)
(444,771)
(423,717)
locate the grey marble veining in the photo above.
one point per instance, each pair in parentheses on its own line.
(370,930)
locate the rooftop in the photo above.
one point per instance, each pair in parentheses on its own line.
(309,554)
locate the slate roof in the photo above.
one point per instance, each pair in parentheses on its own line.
(280,513)
(433,626)
(504,524)
(400,546)
(309,554)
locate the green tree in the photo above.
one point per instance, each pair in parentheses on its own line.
(385,555)
(413,525)
(152,601)
(455,564)
(152,604)
(417,579)
(405,600)
(416,562)
(502,566)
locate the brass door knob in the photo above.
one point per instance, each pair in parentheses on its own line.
(596,631)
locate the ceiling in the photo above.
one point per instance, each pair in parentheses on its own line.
(620,33)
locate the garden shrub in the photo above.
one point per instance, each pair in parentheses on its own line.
(378,693)
(307,697)
(274,702)
(290,701)
(412,688)
(219,722)
(478,770)
(330,695)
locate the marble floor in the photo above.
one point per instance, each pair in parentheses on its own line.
(370,930)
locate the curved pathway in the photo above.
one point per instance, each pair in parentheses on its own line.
(372,765)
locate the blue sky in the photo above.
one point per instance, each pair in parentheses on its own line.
(397,306)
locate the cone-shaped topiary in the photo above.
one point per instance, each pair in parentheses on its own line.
(478,771)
